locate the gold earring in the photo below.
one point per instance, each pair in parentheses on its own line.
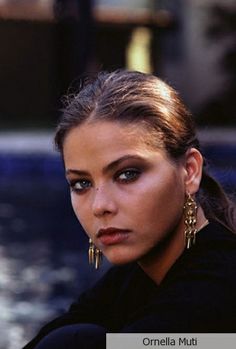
(190,221)
(94,255)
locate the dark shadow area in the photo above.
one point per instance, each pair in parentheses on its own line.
(221,109)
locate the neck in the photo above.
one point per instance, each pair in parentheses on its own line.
(157,264)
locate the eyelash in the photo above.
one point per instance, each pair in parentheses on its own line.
(80,181)
(131,175)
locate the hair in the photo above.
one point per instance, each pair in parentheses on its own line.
(136,98)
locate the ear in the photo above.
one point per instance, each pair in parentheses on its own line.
(193,168)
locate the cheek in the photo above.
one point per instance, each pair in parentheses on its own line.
(170,205)
(79,209)
(83,213)
(74,203)
(160,200)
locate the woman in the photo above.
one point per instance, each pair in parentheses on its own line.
(140,190)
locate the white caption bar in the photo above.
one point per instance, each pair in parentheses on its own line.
(171,341)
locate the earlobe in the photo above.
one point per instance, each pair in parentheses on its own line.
(194,163)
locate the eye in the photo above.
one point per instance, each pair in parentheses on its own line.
(79,186)
(128,175)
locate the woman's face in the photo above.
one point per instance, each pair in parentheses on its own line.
(127,196)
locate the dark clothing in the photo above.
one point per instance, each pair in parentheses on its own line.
(78,336)
(198,294)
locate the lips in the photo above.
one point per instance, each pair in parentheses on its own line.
(112,236)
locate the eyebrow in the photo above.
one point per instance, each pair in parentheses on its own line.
(113,165)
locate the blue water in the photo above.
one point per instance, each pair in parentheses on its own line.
(43,249)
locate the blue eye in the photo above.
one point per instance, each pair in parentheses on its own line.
(80,185)
(128,175)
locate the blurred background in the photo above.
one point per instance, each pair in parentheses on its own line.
(45,46)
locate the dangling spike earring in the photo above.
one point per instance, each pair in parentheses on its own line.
(98,258)
(94,255)
(190,221)
(91,252)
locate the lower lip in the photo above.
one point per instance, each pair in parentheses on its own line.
(114,238)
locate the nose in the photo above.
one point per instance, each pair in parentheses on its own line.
(103,202)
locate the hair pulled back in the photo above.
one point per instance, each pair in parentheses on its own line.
(137,98)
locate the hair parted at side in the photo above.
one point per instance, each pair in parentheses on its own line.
(130,97)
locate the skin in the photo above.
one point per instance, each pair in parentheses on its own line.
(118,180)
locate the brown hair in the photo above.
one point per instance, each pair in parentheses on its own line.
(134,97)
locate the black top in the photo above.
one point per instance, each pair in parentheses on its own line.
(198,294)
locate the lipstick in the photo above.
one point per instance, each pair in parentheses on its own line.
(112,236)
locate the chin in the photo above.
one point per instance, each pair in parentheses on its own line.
(120,262)
(120,258)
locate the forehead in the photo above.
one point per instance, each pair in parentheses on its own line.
(95,133)
(106,140)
